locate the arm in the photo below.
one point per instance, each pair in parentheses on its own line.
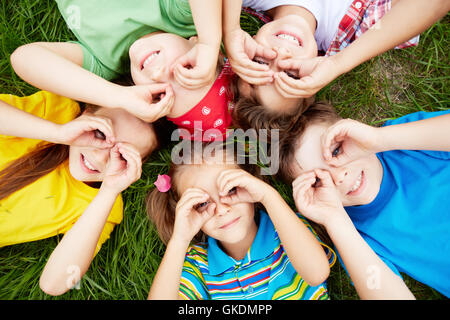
(79,132)
(322,205)
(304,251)
(241,48)
(188,222)
(197,68)
(76,249)
(355,139)
(407,18)
(61,63)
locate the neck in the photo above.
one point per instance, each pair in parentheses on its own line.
(238,250)
(285,10)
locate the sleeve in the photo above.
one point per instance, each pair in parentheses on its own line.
(46,105)
(93,64)
(331,255)
(192,283)
(422,115)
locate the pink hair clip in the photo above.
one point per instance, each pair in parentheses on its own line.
(162,183)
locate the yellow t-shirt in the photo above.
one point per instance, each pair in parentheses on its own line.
(52,204)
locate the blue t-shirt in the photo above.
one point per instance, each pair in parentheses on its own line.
(408,223)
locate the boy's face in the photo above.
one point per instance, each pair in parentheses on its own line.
(292,37)
(151,58)
(357,182)
(230,224)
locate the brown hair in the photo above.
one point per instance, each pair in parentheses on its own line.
(161,206)
(319,112)
(248,113)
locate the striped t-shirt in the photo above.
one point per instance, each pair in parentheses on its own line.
(266,272)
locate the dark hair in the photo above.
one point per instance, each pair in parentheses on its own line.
(319,112)
(248,113)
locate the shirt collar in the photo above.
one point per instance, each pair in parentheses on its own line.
(262,246)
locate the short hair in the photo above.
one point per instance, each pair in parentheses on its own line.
(319,112)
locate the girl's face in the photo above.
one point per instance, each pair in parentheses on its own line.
(291,37)
(230,224)
(88,164)
(357,182)
(151,58)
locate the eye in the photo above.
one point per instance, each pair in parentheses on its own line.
(201,206)
(317,183)
(292,74)
(232,191)
(336,151)
(260,60)
(99,135)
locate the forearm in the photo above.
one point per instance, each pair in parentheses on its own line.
(428,134)
(405,20)
(304,251)
(207,17)
(56,67)
(166,282)
(18,123)
(371,277)
(76,249)
(231,15)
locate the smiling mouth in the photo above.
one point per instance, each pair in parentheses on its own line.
(86,165)
(358,183)
(149,58)
(289,37)
(229,224)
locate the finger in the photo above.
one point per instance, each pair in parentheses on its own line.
(193,200)
(164,106)
(133,161)
(252,73)
(103,125)
(266,53)
(290,64)
(227,180)
(304,176)
(156,88)
(325,178)
(332,135)
(190,193)
(285,89)
(190,79)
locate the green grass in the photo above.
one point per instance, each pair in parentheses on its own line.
(391,85)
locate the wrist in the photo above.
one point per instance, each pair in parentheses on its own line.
(336,220)
(342,63)
(108,190)
(179,242)
(116,96)
(384,139)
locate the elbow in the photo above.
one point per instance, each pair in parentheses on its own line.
(18,57)
(318,276)
(51,287)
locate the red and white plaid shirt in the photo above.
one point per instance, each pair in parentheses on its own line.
(360,17)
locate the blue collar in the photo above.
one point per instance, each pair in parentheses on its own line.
(262,246)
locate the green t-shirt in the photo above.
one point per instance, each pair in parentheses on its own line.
(106,29)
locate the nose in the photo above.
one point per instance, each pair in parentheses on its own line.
(101,157)
(158,74)
(222,208)
(339,174)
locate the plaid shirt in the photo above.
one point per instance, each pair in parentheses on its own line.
(360,17)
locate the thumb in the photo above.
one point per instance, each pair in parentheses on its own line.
(325,178)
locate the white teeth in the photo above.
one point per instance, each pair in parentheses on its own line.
(150,57)
(87,164)
(357,183)
(289,37)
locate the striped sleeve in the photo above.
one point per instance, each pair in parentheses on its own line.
(192,283)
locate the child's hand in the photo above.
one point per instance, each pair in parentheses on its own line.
(348,140)
(188,219)
(148,102)
(314,73)
(241,50)
(315,196)
(86,131)
(197,68)
(237,186)
(124,167)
